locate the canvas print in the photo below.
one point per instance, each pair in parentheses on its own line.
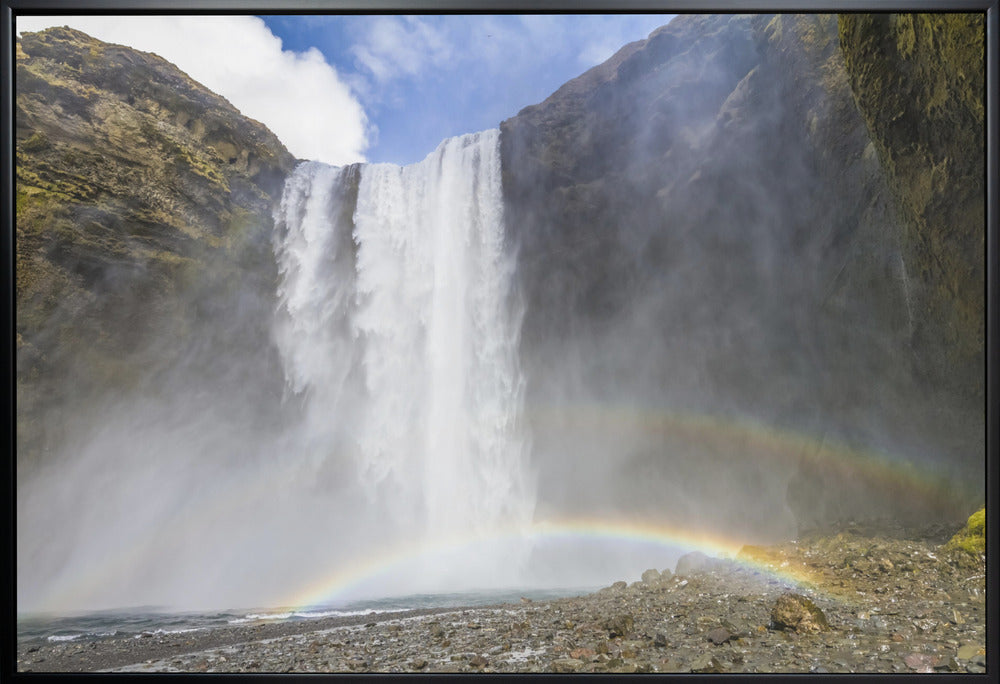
(517,343)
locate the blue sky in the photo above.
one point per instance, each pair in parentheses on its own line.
(425,78)
(381,88)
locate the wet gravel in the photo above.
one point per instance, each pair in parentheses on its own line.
(888,605)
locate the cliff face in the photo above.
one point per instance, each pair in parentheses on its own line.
(750,254)
(706,229)
(143,200)
(919,82)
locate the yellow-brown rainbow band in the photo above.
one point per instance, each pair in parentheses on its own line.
(328,590)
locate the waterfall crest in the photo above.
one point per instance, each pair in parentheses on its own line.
(398,330)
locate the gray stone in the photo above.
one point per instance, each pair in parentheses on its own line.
(619,625)
(693,562)
(707,663)
(566,665)
(796,612)
(719,635)
(967,651)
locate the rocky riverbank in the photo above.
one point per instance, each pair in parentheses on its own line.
(853,601)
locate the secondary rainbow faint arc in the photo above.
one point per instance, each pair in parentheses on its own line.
(782,445)
(329,588)
(777,443)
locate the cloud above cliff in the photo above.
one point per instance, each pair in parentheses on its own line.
(384,88)
(425,78)
(298,95)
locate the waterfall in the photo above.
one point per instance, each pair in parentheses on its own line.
(398,330)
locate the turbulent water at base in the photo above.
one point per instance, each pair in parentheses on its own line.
(398,331)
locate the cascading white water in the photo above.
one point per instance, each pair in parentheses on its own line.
(402,336)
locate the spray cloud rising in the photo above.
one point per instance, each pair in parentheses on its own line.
(686,303)
(397,331)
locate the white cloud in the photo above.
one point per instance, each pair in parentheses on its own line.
(299,96)
(394,47)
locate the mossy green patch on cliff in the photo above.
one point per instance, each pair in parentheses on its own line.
(918,79)
(971,538)
(130,218)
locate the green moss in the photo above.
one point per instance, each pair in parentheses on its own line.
(36,142)
(972,538)
(918,79)
(112,180)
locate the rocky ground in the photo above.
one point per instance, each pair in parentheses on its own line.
(858,603)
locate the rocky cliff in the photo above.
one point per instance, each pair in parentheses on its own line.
(750,252)
(918,79)
(143,201)
(716,259)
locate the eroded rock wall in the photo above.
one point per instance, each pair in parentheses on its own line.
(919,81)
(143,232)
(707,234)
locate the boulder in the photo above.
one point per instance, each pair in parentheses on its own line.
(695,562)
(619,625)
(797,613)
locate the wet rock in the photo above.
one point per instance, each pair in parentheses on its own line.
(707,663)
(797,613)
(719,635)
(619,625)
(651,576)
(566,665)
(693,562)
(630,649)
(669,630)
(968,651)
(947,665)
(921,663)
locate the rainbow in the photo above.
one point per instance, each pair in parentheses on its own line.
(329,589)
(724,434)
(717,434)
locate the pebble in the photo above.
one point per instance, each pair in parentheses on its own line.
(720,621)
